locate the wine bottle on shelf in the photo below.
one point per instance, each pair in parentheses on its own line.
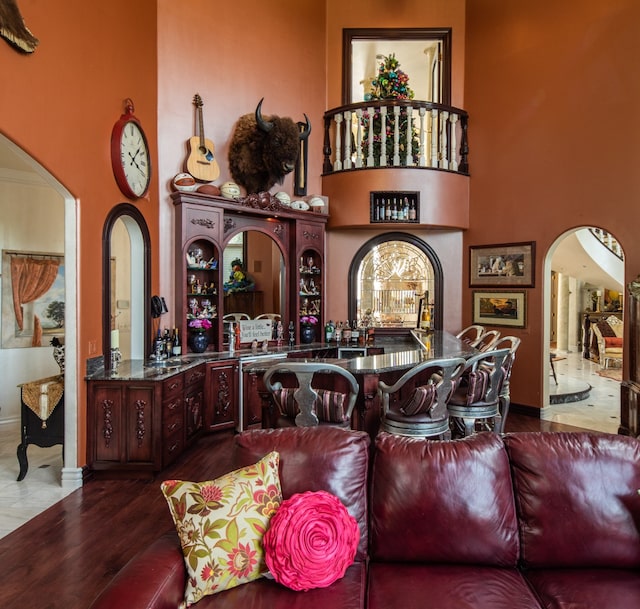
(355,333)
(177,346)
(405,209)
(387,211)
(412,210)
(394,211)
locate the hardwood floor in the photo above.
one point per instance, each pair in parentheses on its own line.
(63,558)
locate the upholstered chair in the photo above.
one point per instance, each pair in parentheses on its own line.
(471,334)
(307,394)
(416,404)
(475,404)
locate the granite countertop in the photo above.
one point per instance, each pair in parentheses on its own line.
(396,356)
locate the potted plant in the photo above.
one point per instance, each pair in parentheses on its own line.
(307,328)
(199,337)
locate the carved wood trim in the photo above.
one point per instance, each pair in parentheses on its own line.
(205,222)
(141,430)
(223,401)
(107,421)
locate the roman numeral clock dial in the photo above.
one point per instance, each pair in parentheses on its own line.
(130,158)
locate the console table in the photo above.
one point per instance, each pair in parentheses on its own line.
(42,416)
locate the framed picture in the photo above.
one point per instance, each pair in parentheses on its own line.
(508,264)
(34,313)
(500,308)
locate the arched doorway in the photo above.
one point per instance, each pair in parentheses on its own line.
(17,164)
(584,286)
(388,276)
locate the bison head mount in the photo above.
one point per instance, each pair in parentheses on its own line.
(263,150)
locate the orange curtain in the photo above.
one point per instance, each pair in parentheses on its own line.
(31,279)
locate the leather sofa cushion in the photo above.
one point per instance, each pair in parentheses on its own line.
(443,502)
(587,588)
(404,585)
(328,459)
(577,499)
(346,593)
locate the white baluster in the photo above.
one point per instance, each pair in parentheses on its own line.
(337,164)
(434,138)
(444,158)
(454,142)
(370,161)
(383,136)
(359,138)
(423,159)
(409,156)
(396,136)
(347,139)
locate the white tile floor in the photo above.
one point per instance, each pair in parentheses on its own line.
(41,487)
(600,411)
(21,501)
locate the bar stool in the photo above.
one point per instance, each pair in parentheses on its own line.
(416,404)
(476,400)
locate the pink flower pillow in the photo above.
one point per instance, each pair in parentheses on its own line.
(311,541)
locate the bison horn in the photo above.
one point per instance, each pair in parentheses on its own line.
(264,125)
(304,134)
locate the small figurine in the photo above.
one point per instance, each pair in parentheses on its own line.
(254,345)
(265,346)
(239,281)
(280,333)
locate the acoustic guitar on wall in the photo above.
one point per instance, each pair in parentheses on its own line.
(201,162)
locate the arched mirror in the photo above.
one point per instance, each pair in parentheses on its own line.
(263,263)
(126,264)
(388,277)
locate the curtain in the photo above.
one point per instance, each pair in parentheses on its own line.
(30,279)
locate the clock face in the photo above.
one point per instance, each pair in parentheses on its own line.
(134,158)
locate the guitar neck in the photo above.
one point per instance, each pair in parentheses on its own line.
(201,127)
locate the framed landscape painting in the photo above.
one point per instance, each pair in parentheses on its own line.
(506,308)
(502,265)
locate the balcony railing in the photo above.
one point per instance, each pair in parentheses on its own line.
(608,240)
(405,133)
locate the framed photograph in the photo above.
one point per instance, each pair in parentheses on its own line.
(502,265)
(500,308)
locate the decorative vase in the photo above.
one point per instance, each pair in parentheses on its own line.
(198,341)
(307,334)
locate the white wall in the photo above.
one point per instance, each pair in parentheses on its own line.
(32,219)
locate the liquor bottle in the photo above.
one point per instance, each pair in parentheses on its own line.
(405,209)
(157,346)
(412,210)
(394,211)
(387,211)
(346,333)
(166,344)
(337,332)
(177,345)
(328,332)
(355,334)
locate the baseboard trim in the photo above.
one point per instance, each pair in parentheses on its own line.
(528,411)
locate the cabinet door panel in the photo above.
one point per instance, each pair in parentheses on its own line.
(221,402)
(107,423)
(140,432)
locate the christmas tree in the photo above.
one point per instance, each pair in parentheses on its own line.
(390,83)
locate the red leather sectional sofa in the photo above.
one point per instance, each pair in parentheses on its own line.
(524,521)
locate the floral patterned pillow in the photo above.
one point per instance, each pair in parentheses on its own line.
(221,523)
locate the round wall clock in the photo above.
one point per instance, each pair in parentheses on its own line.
(130,156)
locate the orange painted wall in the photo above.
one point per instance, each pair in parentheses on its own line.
(233,54)
(60,103)
(552,92)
